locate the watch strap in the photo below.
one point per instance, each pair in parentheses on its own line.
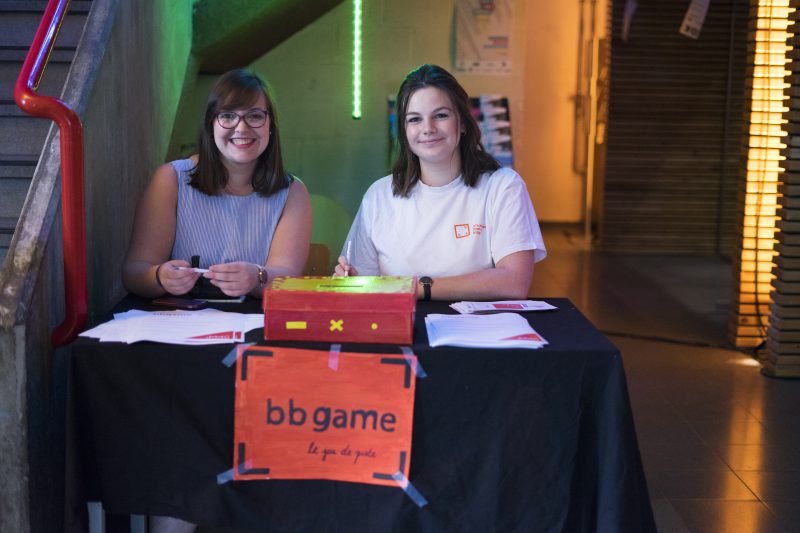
(426,282)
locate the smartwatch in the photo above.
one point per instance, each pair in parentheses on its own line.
(426,282)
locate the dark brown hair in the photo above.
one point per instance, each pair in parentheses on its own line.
(475,160)
(238,89)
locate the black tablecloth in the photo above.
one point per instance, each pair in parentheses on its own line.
(503,440)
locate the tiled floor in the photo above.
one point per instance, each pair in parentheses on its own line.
(720,442)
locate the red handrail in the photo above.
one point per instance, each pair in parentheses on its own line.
(72,204)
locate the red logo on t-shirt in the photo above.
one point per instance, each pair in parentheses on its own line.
(462,230)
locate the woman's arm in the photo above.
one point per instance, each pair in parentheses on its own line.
(289,251)
(287,254)
(152,240)
(510,279)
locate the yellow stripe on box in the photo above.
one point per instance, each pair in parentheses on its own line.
(297,324)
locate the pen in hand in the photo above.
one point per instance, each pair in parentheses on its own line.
(193,269)
(347,257)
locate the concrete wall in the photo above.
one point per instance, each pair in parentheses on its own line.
(127,128)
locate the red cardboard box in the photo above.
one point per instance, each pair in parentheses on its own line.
(370,309)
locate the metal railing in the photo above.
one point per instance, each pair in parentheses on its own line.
(71,143)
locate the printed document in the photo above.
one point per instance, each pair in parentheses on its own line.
(520,306)
(502,330)
(206,326)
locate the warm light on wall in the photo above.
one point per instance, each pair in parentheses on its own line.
(759,202)
(356,59)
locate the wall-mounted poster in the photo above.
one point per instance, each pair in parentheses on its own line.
(483,35)
(491,112)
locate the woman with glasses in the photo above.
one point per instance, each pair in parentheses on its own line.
(448,213)
(232,204)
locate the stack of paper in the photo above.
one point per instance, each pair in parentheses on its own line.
(207,326)
(467,308)
(502,330)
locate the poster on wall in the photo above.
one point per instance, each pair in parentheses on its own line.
(483,36)
(491,112)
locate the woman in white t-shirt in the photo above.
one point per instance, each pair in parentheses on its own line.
(448,213)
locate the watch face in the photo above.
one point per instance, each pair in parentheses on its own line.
(425,280)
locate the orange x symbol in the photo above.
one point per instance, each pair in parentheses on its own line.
(337,325)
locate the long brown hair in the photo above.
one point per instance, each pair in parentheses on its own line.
(475,160)
(237,89)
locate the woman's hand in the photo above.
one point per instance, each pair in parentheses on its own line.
(175,280)
(343,268)
(234,279)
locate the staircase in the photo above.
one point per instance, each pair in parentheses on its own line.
(22,136)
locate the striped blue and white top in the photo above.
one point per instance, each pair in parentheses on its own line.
(225,228)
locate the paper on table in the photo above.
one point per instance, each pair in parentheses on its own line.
(501,306)
(502,330)
(207,326)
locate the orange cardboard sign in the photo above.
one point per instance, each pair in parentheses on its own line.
(299,417)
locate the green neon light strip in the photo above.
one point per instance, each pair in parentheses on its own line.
(356,59)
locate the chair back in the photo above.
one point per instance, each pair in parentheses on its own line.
(319,260)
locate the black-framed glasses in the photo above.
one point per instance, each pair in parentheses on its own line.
(255,118)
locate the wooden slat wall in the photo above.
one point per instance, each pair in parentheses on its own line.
(673,155)
(762,140)
(782,356)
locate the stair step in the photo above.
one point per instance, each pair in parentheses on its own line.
(7,225)
(51,84)
(38,6)
(24,134)
(12,196)
(8,108)
(17,28)
(17,166)
(59,54)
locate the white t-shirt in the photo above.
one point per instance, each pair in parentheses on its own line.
(443,231)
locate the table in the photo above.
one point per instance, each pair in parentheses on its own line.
(503,440)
